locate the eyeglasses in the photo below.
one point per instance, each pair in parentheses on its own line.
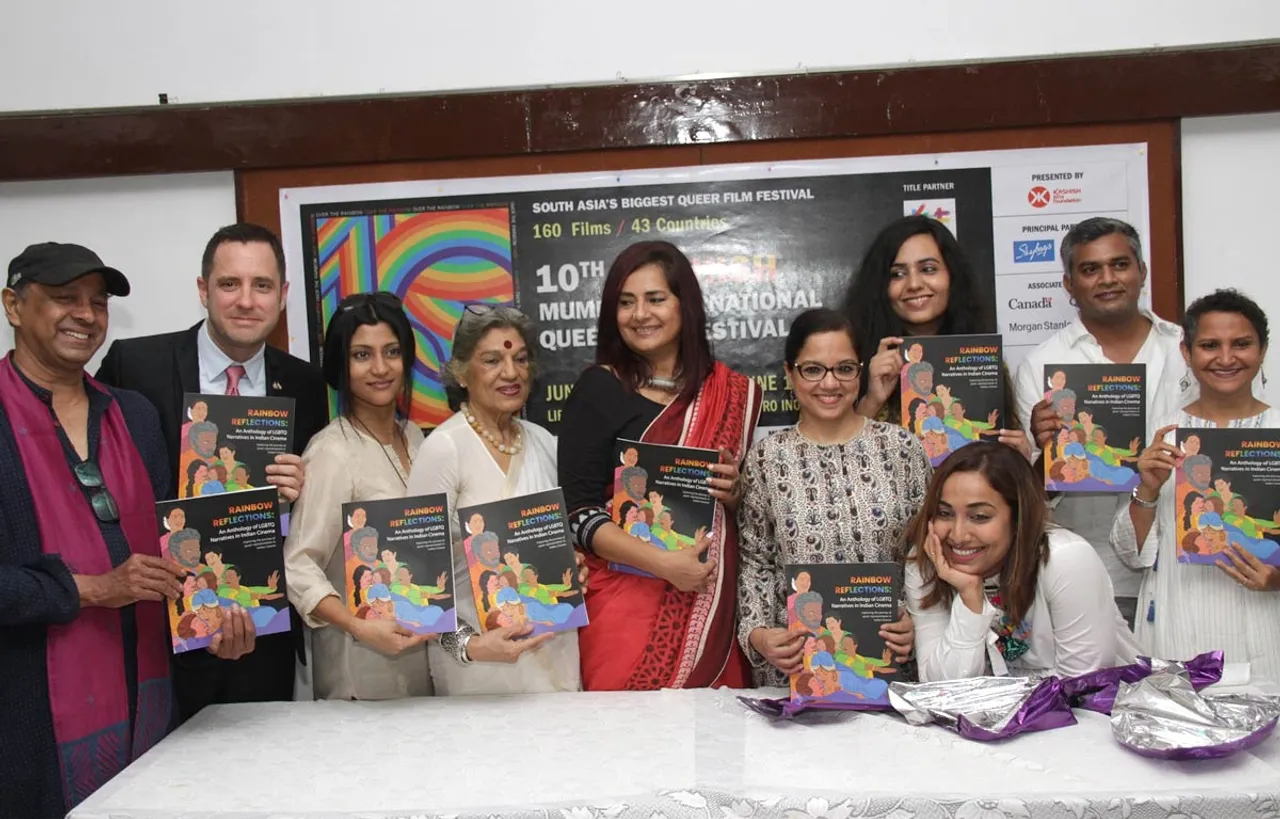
(90,477)
(366,299)
(844,371)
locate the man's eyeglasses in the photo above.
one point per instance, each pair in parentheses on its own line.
(90,477)
(844,371)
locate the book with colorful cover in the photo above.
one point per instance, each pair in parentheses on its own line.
(952,391)
(1227,491)
(661,496)
(227,441)
(841,606)
(399,562)
(1104,411)
(521,563)
(230,547)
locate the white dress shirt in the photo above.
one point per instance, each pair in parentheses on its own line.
(344,464)
(455,461)
(1186,609)
(214,363)
(1089,514)
(1072,628)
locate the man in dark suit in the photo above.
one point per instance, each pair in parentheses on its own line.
(243,290)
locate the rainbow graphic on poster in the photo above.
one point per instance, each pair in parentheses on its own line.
(437,262)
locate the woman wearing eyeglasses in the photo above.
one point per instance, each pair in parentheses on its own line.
(481,454)
(915,280)
(655,380)
(836,488)
(364,454)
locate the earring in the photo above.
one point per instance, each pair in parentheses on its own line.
(1185,382)
(1264,379)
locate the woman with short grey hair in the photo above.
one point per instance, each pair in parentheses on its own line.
(484,453)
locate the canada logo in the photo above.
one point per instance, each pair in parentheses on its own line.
(1038,196)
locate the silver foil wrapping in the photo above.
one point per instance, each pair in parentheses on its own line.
(1163,716)
(987,702)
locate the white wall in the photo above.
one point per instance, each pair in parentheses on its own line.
(1229,181)
(153,229)
(87,53)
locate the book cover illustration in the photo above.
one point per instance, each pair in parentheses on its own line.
(227,441)
(399,562)
(952,391)
(841,606)
(1104,410)
(230,547)
(661,496)
(1227,491)
(521,563)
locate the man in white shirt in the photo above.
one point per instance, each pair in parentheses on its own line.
(242,287)
(1104,275)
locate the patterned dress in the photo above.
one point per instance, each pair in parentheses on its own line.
(820,503)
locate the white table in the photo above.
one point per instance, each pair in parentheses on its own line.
(659,754)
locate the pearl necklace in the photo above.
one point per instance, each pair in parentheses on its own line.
(511,449)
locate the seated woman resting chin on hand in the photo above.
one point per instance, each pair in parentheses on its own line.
(995,588)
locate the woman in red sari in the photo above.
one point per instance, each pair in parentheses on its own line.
(655,380)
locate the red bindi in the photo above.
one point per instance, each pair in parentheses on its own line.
(507,344)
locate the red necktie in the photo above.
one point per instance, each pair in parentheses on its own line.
(234,373)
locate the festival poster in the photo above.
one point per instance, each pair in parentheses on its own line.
(952,391)
(1227,491)
(1103,408)
(230,546)
(521,563)
(841,607)
(227,441)
(764,249)
(399,562)
(661,496)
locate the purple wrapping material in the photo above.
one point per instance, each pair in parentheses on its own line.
(1045,709)
(1208,751)
(1096,691)
(784,708)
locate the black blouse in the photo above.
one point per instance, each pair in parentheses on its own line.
(600,410)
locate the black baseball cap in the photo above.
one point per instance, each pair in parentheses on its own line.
(56,264)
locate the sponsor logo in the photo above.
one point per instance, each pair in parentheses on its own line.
(1032,251)
(1049,285)
(1042,197)
(944,210)
(1042,303)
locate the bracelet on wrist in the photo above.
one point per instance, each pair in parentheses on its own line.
(1142,502)
(463,657)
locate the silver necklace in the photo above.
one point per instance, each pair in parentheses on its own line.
(383,447)
(659,382)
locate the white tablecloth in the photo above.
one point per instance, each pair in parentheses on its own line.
(651,755)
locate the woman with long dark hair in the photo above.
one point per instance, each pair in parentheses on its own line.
(656,380)
(986,559)
(365,453)
(915,280)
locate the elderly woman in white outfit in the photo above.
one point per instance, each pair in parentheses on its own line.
(485,453)
(1186,609)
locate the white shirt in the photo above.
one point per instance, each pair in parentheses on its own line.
(1186,609)
(1072,628)
(214,363)
(1089,514)
(455,461)
(344,464)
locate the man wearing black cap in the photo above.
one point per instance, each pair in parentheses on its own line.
(84,688)
(243,289)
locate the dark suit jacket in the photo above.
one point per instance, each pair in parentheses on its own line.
(164,367)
